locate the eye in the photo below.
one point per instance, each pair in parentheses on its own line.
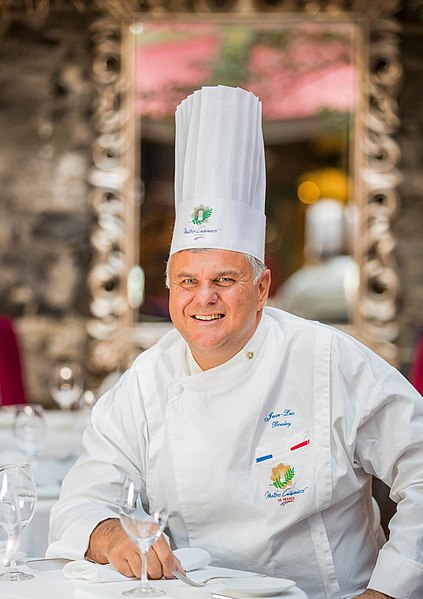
(188,281)
(224,281)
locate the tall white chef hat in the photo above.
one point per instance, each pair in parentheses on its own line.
(220,178)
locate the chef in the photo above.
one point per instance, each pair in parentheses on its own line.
(264,429)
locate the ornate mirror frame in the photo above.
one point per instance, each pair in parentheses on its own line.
(115,335)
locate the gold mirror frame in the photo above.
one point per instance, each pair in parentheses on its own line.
(115,335)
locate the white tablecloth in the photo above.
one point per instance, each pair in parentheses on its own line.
(61,448)
(51,585)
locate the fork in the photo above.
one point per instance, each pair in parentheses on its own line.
(202,583)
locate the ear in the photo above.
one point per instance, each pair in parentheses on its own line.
(263,287)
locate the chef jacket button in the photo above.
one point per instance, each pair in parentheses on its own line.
(250,355)
(178,389)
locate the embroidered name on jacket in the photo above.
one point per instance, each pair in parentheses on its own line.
(277,419)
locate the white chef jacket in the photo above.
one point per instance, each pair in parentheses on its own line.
(265,461)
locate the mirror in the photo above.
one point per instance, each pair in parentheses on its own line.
(305,75)
(328,91)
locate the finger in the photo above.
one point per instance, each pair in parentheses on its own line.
(167,558)
(134,561)
(125,557)
(154,566)
(127,568)
(177,568)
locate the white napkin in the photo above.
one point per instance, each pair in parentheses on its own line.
(191,558)
(83,570)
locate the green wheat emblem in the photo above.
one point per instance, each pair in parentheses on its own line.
(201,214)
(282,476)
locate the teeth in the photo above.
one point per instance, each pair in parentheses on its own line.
(207,317)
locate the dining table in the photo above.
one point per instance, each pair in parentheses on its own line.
(60,449)
(49,582)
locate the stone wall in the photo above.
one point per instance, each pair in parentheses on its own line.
(45,107)
(46,102)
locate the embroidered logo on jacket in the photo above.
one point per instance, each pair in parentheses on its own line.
(282,476)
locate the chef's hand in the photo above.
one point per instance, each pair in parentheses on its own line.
(370,594)
(110,544)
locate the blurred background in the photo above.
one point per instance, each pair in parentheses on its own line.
(47,124)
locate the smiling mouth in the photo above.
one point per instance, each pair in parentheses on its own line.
(207,316)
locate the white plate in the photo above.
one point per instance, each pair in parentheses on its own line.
(46,564)
(259,587)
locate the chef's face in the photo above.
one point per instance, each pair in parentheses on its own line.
(214,303)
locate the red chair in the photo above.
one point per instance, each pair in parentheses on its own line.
(416,373)
(12,388)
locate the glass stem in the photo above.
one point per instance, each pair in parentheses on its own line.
(144,579)
(13,540)
(10,550)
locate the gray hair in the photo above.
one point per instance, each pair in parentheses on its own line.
(257,265)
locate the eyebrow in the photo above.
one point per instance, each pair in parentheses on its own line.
(223,273)
(231,273)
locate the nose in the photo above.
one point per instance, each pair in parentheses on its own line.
(206,293)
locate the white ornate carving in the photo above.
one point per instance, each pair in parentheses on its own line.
(113,176)
(376,313)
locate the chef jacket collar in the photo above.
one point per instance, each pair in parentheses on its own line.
(234,368)
(192,366)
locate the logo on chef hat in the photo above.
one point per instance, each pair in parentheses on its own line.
(282,476)
(201,214)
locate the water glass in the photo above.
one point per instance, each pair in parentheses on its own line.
(29,429)
(142,528)
(18,497)
(66,384)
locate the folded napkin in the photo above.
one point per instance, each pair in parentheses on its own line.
(191,558)
(83,570)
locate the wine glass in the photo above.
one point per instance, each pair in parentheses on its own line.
(29,429)
(66,384)
(142,528)
(85,406)
(18,496)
